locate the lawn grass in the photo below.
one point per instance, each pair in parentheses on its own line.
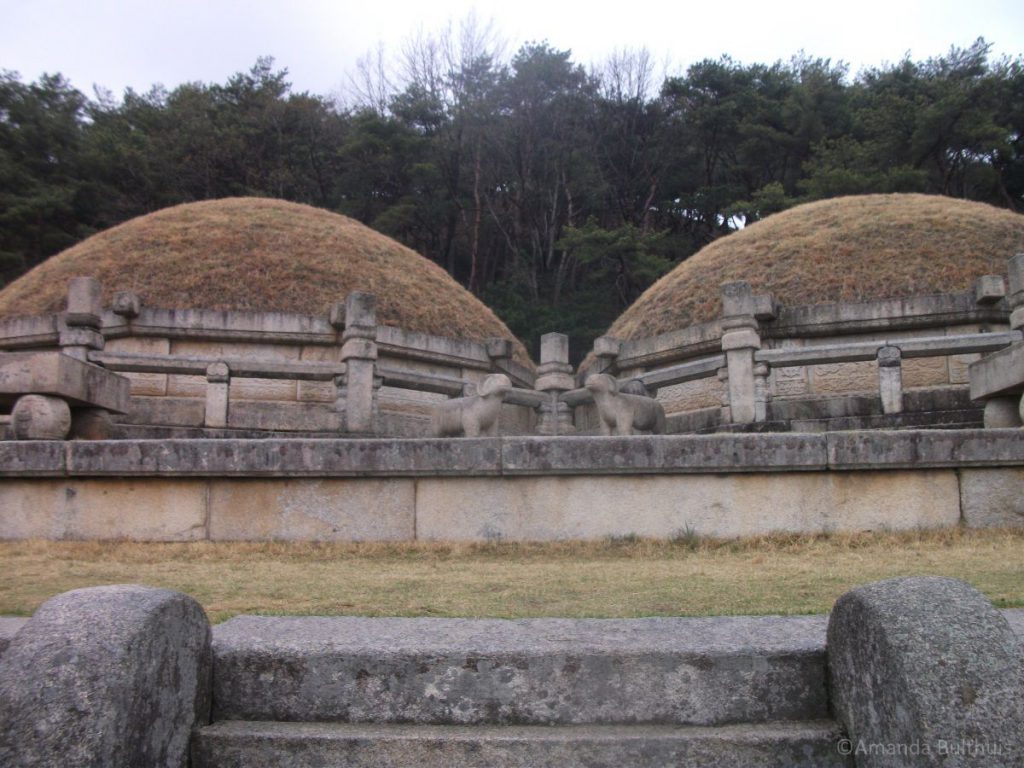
(612,578)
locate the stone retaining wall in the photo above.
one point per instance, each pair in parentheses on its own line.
(510,488)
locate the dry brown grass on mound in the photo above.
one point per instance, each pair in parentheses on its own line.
(845,249)
(259,254)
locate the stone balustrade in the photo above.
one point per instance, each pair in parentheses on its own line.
(281,371)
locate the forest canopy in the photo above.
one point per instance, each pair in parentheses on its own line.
(556,193)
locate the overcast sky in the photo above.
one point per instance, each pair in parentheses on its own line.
(117,44)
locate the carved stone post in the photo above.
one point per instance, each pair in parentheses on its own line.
(723,377)
(80,326)
(499,351)
(740,340)
(761,396)
(218,382)
(126,304)
(890,379)
(989,289)
(1015,299)
(554,376)
(359,353)
(606,350)
(1015,293)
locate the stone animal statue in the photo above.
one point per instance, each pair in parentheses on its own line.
(473,415)
(619,413)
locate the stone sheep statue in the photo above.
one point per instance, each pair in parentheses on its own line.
(623,414)
(474,415)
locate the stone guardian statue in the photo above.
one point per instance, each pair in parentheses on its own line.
(624,414)
(474,415)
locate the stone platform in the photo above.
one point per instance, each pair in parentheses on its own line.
(511,488)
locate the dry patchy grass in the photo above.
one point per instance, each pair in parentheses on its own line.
(615,578)
(844,249)
(260,254)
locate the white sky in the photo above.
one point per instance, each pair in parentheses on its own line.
(138,43)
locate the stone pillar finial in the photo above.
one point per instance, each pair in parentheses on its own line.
(361,311)
(85,299)
(606,350)
(737,299)
(127,304)
(988,290)
(80,324)
(554,376)
(499,350)
(359,353)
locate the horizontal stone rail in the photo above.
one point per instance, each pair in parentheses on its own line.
(238,367)
(290,328)
(859,351)
(906,314)
(576,397)
(818,320)
(520,375)
(833,319)
(999,374)
(528,398)
(29,332)
(664,377)
(670,347)
(678,374)
(263,327)
(217,325)
(930,346)
(655,380)
(413,345)
(63,376)
(421,382)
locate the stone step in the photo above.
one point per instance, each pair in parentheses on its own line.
(234,744)
(693,671)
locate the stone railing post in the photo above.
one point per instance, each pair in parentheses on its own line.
(989,289)
(126,304)
(740,339)
(80,326)
(554,376)
(606,350)
(359,353)
(722,374)
(761,395)
(1015,293)
(890,379)
(218,382)
(499,351)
